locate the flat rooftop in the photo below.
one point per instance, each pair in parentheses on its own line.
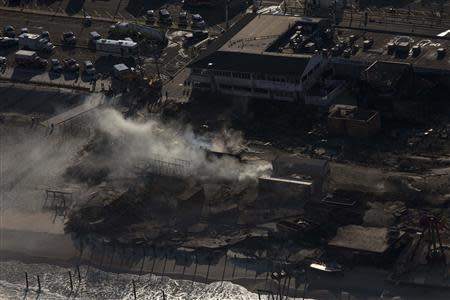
(260,33)
(349,112)
(426,60)
(368,239)
(245,47)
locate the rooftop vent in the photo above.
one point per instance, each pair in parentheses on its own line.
(440,53)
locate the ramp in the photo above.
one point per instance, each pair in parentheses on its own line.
(75,112)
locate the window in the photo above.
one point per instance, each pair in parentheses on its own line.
(226,87)
(242,88)
(241,75)
(260,76)
(222,73)
(261,91)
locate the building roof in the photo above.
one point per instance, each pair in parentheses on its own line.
(120,68)
(351,112)
(243,48)
(268,63)
(259,33)
(30,36)
(426,60)
(286,165)
(368,239)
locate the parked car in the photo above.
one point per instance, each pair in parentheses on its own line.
(150,16)
(45,35)
(198,22)
(183,19)
(89,68)
(69,38)
(3,61)
(24,30)
(71,65)
(164,16)
(87,20)
(8,31)
(56,66)
(6,42)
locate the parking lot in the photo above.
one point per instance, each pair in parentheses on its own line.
(58,17)
(132,10)
(172,58)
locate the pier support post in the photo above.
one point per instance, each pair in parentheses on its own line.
(134,289)
(79,274)
(39,283)
(26,281)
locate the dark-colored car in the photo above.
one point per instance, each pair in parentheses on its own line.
(69,38)
(45,35)
(150,16)
(183,19)
(8,31)
(6,42)
(198,22)
(71,65)
(89,68)
(164,16)
(56,66)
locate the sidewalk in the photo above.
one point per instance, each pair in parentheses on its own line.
(68,81)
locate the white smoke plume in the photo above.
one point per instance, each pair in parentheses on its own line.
(169,142)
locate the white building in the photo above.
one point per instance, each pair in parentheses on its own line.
(255,59)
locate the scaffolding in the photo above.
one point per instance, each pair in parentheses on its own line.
(58,200)
(164,166)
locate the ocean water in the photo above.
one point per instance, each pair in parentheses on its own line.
(97,284)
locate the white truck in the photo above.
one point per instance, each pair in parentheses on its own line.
(29,58)
(36,42)
(122,48)
(147,31)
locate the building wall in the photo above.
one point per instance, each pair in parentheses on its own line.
(265,86)
(354,128)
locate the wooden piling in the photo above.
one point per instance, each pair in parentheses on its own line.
(26,281)
(39,283)
(288,287)
(79,274)
(224,269)
(164,265)
(71,282)
(234,267)
(143,261)
(134,289)
(195,269)
(207,271)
